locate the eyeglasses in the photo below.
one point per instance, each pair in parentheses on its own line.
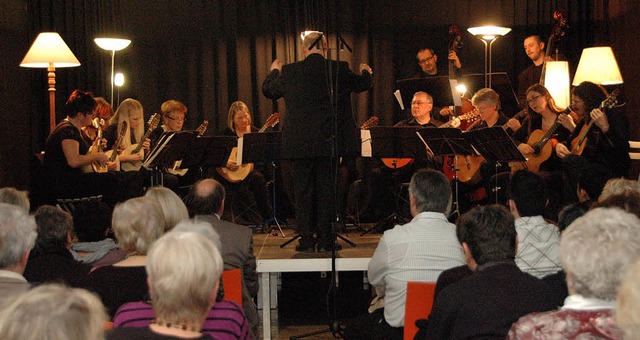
(418,102)
(182,119)
(532,99)
(425,60)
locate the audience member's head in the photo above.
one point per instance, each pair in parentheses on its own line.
(616,186)
(628,303)
(17,237)
(206,198)
(527,191)
(628,201)
(92,221)
(568,214)
(53,311)
(429,190)
(16,197)
(172,206)
(184,270)
(592,180)
(597,249)
(55,229)
(201,227)
(488,234)
(137,224)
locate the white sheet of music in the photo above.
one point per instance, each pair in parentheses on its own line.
(366,143)
(240,144)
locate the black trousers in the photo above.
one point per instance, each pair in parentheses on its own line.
(313,181)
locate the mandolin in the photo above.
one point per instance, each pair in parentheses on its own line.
(113,153)
(96,147)
(175,169)
(135,148)
(578,143)
(243,170)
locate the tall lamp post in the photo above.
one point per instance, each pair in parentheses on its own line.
(488,34)
(113,45)
(50,51)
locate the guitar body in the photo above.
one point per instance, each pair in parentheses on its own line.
(536,159)
(469,168)
(396,163)
(131,166)
(239,174)
(94,167)
(578,143)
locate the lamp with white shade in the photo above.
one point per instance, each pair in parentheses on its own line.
(50,51)
(113,45)
(556,80)
(598,65)
(488,34)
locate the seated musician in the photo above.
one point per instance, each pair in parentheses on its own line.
(103,112)
(238,123)
(544,118)
(606,148)
(66,152)
(421,107)
(130,111)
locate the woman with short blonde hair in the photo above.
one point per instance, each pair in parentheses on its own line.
(173,208)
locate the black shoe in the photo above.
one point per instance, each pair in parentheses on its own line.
(328,248)
(305,249)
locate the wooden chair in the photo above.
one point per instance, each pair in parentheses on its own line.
(418,305)
(232,281)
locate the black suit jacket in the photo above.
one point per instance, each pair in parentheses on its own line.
(307,125)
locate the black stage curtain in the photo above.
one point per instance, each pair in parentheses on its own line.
(210,53)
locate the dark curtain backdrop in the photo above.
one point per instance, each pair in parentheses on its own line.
(210,53)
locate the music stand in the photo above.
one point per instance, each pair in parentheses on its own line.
(448,142)
(170,148)
(438,87)
(208,151)
(263,148)
(495,145)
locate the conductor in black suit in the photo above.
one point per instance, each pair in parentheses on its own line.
(307,132)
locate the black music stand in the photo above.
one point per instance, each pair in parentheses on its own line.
(394,143)
(496,146)
(438,87)
(448,142)
(264,148)
(208,151)
(170,148)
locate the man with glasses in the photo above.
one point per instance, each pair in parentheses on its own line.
(427,59)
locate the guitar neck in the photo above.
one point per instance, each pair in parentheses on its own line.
(139,147)
(545,138)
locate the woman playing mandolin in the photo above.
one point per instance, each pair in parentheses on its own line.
(599,139)
(238,123)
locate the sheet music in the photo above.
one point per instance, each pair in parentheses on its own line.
(399,99)
(156,151)
(457,99)
(365,135)
(240,145)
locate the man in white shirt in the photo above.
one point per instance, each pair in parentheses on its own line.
(17,238)
(417,251)
(538,240)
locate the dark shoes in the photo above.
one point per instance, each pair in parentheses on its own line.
(305,249)
(329,248)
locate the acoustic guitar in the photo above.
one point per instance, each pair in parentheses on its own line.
(578,143)
(538,139)
(96,147)
(135,148)
(243,170)
(175,169)
(113,153)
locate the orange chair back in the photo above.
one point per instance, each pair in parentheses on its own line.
(418,305)
(232,281)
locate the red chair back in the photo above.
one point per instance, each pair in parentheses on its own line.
(418,305)
(232,280)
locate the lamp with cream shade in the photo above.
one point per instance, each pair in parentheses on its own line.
(50,51)
(598,65)
(113,45)
(556,80)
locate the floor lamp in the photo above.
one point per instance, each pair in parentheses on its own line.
(113,45)
(598,65)
(488,34)
(50,51)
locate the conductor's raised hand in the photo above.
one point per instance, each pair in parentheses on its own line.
(276,65)
(365,67)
